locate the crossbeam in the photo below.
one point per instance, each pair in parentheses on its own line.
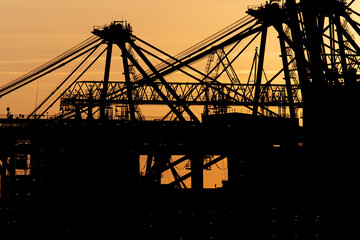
(190,93)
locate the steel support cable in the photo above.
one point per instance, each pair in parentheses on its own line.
(185,63)
(51,62)
(212,37)
(181,70)
(267,84)
(337,50)
(64,81)
(231,73)
(215,80)
(348,6)
(165,61)
(48,67)
(355,25)
(351,58)
(70,52)
(228,40)
(163,81)
(54,59)
(219,35)
(83,72)
(203,44)
(223,58)
(149,81)
(67,53)
(12,87)
(208,74)
(180,63)
(356,13)
(23,83)
(228,89)
(140,82)
(343,32)
(214,41)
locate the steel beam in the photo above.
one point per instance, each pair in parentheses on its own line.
(205,166)
(259,71)
(287,76)
(163,81)
(127,81)
(190,93)
(313,22)
(106,81)
(48,67)
(341,48)
(155,87)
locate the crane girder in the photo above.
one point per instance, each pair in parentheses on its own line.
(328,57)
(317,88)
(190,93)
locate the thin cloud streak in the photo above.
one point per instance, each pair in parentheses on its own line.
(23,61)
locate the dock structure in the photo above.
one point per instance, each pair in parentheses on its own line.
(94,169)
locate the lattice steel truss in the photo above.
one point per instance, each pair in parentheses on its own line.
(317,47)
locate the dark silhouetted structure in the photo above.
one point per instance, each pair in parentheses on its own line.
(78,173)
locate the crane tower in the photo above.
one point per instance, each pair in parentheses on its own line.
(283,136)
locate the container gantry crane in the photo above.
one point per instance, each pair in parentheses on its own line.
(318,81)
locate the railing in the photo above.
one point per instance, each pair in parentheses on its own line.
(261,6)
(190,93)
(25,116)
(255,7)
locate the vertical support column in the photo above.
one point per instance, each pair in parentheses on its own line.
(341,49)
(287,76)
(197,178)
(298,48)
(259,71)
(155,87)
(332,44)
(106,81)
(314,27)
(90,106)
(167,86)
(127,81)
(207,99)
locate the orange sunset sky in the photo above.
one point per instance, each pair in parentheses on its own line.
(34,32)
